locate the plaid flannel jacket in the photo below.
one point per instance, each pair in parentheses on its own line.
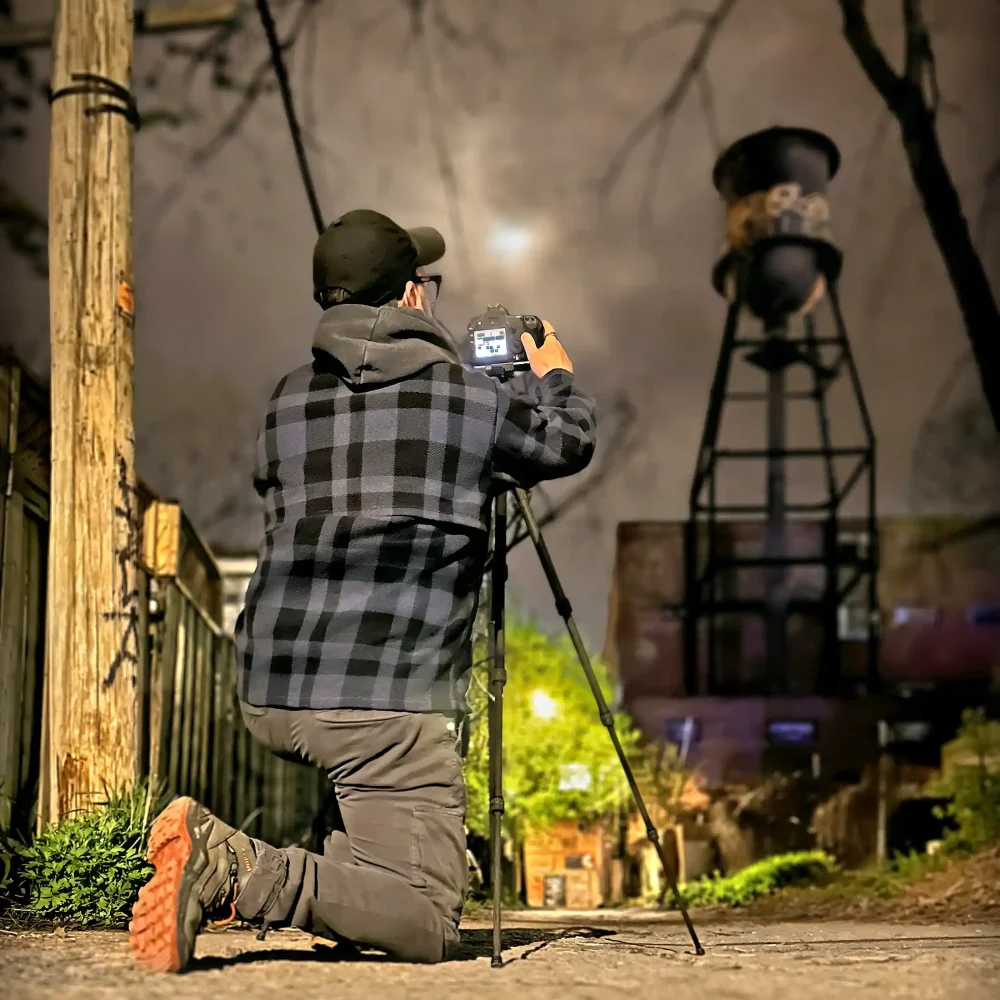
(376,509)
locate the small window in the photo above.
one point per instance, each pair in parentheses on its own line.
(914,615)
(983,614)
(852,545)
(911,731)
(792,732)
(852,623)
(682,732)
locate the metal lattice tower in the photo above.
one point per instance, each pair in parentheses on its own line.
(780,266)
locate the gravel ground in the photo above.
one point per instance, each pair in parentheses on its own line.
(807,961)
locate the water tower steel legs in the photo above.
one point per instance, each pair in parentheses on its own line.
(776,534)
(869,573)
(710,570)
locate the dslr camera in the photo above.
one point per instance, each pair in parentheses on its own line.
(495,342)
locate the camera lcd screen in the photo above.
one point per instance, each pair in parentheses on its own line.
(490,344)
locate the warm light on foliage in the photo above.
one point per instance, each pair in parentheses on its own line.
(543,706)
(551,730)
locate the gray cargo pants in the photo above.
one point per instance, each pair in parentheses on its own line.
(395,878)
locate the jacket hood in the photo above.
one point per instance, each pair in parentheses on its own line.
(378,345)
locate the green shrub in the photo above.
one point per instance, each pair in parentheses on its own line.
(973,788)
(87,870)
(759,879)
(8,870)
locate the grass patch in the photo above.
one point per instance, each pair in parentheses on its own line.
(884,881)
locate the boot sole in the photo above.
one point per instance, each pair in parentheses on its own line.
(155,936)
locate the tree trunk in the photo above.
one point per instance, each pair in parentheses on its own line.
(951,233)
(904,97)
(93,622)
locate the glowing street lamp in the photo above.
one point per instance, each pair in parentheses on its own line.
(543,706)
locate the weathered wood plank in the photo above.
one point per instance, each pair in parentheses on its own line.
(206,664)
(223,746)
(144,692)
(166,659)
(13,597)
(181,672)
(187,711)
(9,393)
(36,538)
(194,722)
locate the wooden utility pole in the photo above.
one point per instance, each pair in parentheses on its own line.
(92,647)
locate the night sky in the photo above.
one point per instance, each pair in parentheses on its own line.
(531,100)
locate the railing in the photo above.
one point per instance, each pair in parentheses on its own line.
(191,736)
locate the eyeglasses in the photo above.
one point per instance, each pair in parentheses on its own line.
(430,280)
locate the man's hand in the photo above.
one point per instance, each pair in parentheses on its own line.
(549,356)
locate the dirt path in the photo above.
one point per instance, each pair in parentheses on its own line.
(828,961)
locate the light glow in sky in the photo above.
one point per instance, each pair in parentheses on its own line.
(508,241)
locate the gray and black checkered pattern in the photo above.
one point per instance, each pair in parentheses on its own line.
(376,516)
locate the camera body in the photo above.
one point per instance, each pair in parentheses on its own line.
(495,346)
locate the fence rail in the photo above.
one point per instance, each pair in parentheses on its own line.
(191,736)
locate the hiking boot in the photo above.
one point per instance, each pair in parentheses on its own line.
(202,866)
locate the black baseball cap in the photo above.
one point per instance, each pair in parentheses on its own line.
(370,256)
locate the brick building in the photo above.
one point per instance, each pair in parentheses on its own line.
(939,651)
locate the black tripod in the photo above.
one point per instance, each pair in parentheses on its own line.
(498,678)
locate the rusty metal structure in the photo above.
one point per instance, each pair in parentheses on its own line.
(779,269)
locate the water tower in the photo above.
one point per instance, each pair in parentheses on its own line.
(779,272)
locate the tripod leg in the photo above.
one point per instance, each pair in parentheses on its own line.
(565,611)
(498,678)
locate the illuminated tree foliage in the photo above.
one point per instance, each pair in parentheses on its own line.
(553,737)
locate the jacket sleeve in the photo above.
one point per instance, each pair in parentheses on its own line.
(548,433)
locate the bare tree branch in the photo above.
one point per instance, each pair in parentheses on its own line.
(479,37)
(867,176)
(915,111)
(260,82)
(617,452)
(859,36)
(215,52)
(439,136)
(658,152)
(674,20)
(955,463)
(991,199)
(706,93)
(22,226)
(659,117)
(920,66)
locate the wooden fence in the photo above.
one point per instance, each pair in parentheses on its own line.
(191,736)
(24,516)
(197,743)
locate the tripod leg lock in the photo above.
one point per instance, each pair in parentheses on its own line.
(496,804)
(652,836)
(608,719)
